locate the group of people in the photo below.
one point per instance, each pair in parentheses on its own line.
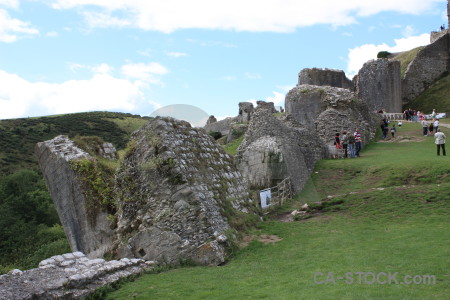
(351,143)
(428,128)
(385,128)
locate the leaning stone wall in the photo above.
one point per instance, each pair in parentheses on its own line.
(430,63)
(324,77)
(93,237)
(378,83)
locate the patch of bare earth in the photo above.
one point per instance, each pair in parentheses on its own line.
(263,238)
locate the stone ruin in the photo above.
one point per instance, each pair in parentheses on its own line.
(324,77)
(378,83)
(68,276)
(174,192)
(277,148)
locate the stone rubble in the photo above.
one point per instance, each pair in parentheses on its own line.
(68,276)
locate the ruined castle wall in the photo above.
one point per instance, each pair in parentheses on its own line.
(322,77)
(430,63)
(274,149)
(327,110)
(174,186)
(222,126)
(68,193)
(378,83)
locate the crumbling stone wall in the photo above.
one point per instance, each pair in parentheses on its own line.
(245,112)
(274,149)
(378,83)
(176,189)
(429,64)
(68,191)
(327,110)
(324,77)
(67,276)
(222,126)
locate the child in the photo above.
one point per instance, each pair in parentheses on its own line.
(393,130)
(400,124)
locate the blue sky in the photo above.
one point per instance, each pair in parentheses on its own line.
(63,56)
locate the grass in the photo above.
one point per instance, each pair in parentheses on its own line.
(389,213)
(437,96)
(405,58)
(231,148)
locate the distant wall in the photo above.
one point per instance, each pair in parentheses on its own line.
(324,77)
(378,84)
(430,63)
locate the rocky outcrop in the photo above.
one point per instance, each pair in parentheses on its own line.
(324,77)
(176,188)
(274,149)
(222,126)
(378,84)
(327,110)
(67,276)
(429,65)
(211,120)
(86,225)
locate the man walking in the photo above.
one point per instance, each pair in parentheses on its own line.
(425,127)
(439,140)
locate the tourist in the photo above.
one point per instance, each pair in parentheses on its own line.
(393,130)
(425,127)
(351,145)
(357,136)
(385,131)
(439,140)
(436,125)
(345,143)
(430,128)
(337,141)
(400,123)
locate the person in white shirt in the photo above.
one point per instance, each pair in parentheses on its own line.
(439,140)
(436,125)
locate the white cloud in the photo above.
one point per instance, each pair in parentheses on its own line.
(21,98)
(408,31)
(229,78)
(96,69)
(277,98)
(145,72)
(11,29)
(249,75)
(52,34)
(10,3)
(176,54)
(250,15)
(359,55)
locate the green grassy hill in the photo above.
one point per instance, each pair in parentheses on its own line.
(386,212)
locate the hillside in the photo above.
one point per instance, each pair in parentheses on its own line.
(436,97)
(18,137)
(384,213)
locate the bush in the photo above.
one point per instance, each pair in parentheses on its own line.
(383,54)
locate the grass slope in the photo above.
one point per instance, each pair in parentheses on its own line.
(390,214)
(437,96)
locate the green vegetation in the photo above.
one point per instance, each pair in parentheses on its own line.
(231,148)
(405,58)
(437,96)
(386,211)
(383,54)
(29,224)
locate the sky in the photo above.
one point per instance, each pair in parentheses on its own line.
(138,56)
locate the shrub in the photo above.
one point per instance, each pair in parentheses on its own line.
(383,54)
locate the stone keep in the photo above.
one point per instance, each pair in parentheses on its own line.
(378,83)
(327,110)
(90,235)
(324,77)
(274,149)
(176,189)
